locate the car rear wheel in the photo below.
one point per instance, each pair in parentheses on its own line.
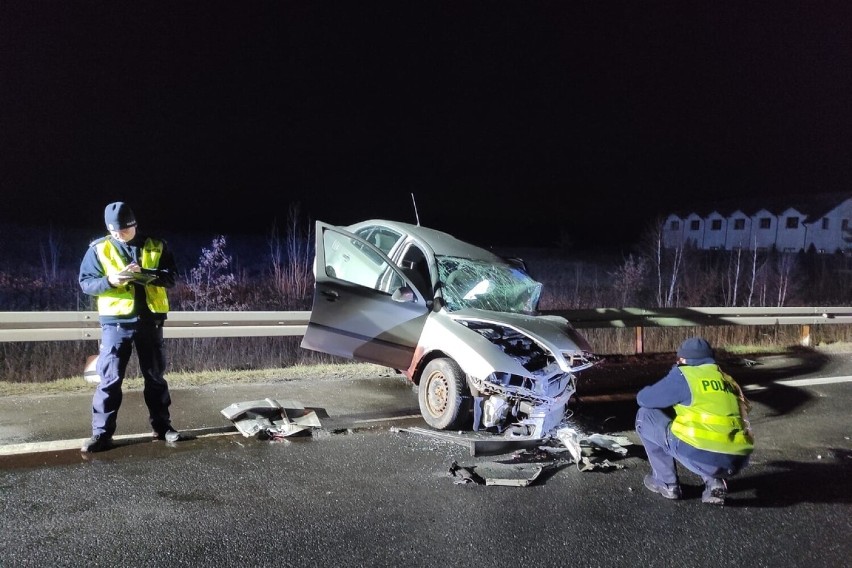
(442,395)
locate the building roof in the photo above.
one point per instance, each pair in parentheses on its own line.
(813,206)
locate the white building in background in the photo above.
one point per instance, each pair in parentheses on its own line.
(739,231)
(787,225)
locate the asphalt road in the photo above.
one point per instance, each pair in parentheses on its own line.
(358,492)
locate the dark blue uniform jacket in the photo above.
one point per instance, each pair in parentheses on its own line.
(93,280)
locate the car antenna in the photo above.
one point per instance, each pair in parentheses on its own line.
(416,214)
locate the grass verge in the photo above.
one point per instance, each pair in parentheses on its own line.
(222,377)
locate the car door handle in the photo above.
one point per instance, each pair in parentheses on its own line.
(330,295)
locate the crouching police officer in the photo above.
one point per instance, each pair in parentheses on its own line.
(696,415)
(129,274)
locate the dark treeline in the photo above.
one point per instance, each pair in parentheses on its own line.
(38,272)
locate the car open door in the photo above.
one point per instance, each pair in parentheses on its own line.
(364,306)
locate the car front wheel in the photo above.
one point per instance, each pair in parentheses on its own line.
(441,393)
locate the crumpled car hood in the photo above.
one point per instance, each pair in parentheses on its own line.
(553,332)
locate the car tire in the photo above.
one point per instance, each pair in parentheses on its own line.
(443,395)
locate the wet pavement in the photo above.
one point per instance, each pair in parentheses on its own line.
(44,423)
(359,492)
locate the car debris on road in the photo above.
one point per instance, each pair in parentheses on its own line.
(530,458)
(269,419)
(497,473)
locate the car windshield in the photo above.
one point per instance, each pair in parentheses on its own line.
(484,285)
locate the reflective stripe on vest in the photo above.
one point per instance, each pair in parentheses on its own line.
(712,421)
(118,301)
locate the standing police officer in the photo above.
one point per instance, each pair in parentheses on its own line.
(696,415)
(129,274)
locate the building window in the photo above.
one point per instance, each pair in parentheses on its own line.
(716,225)
(739,224)
(845,225)
(765,222)
(675,225)
(824,223)
(694,225)
(792,222)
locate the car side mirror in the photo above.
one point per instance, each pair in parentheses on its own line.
(403,294)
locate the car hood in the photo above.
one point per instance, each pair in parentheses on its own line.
(554,332)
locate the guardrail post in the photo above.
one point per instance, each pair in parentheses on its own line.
(806,335)
(640,339)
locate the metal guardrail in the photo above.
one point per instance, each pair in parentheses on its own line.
(65,326)
(684,317)
(70,326)
(640,318)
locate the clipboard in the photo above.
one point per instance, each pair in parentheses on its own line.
(140,277)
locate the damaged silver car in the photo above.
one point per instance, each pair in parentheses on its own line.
(457,320)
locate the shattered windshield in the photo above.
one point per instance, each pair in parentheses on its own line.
(487,286)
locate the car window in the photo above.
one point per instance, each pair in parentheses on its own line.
(381,237)
(415,266)
(351,260)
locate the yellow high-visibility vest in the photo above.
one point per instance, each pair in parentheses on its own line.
(118,301)
(713,420)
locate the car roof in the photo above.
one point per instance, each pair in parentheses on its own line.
(441,243)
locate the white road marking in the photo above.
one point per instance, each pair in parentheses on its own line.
(802,382)
(64,445)
(371,420)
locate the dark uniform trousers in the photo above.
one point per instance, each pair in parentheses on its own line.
(117,344)
(653,426)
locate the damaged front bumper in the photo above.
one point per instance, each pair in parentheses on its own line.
(517,410)
(529,400)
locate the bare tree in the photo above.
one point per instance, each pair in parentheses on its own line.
(50,256)
(785,267)
(676,263)
(292,259)
(628,279)
(752,283)
(665,263)
(212,284)
(731,291)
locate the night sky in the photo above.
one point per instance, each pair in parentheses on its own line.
(512,123)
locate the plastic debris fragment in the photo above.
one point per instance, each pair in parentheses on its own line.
(270,419)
